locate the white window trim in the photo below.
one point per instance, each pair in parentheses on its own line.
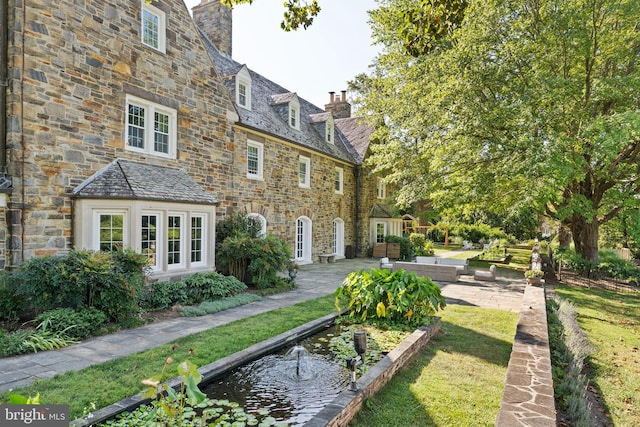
(162,26)
(382,189)
(205,244)
(150,109)
(307,178)
(263,223)
(243,78)
(340,173)
(303,253)
(95,231)
(329,131)
(375,231)
(338,237)
(294,114)
(184,231)
(260,147)
(160,233)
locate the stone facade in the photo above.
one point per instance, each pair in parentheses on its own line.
(74,69)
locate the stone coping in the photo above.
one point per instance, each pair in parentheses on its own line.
(337,413)
(528,398)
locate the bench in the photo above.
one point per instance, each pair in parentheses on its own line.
(461,264)
(325,258)
(446,273)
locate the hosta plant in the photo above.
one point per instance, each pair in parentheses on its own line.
(394,297)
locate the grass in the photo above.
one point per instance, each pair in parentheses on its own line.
(611,320)
(115,380)
(458,379)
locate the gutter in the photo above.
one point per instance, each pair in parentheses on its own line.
(4,83)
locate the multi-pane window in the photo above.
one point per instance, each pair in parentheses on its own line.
(197,236)
(254,159)
(151,128)
(153,27)
(293,117)
(304,172)
(381,231)
(149,238)
(382,189)
(111,232)
(242,94)
(299,239)
(174,239)
(339,180)
(329,130)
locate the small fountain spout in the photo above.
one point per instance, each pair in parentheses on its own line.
(360,345)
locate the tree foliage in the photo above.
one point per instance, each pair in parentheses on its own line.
(531,103)
(297,13)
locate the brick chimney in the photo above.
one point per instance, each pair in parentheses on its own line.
(215,19)
(338,106)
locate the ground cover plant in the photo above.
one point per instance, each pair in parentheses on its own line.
(457,379)
(112,381)
(611,321)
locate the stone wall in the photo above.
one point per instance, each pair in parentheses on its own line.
(281,201)
(71,64)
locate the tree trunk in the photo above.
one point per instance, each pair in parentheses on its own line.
(564,236)
(585,238)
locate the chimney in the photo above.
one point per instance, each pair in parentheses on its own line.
(215,19)
(338,106)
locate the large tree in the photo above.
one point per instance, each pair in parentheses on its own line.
(522,102)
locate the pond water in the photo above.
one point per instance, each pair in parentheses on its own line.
(293,384)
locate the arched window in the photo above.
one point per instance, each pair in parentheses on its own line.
(303,239)
(263,223)
(338,237)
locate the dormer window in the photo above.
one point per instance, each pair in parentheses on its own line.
(382,189)
(243,88)
(329,130)
(154,26)
(294,113)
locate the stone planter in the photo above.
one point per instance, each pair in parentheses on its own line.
(534,280)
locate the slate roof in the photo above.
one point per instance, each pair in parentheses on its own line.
(381,210)
(124,179)
(358,133)
(267,114)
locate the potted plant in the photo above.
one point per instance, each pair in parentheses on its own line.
(292,267)
(534,277)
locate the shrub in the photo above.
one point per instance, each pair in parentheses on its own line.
(389,296)
(270,255)
(420,245)
(11,305)
(11,342)
(211,286)
(210,307)
(610,264)
(108,281)
(405,245)
(82,323)
(161,295)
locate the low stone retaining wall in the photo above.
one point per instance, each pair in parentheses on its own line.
(528,398)
(344,407)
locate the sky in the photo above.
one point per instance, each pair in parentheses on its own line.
(310,62)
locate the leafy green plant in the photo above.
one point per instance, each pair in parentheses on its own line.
(420,245)
(81,323)
(11,305)
(43,338)
(534,273)
(11,342)
(270,256)
(161,295)
(211,286)
(389,296)
(405,245)
(186,406)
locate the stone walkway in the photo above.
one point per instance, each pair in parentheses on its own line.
(314,280)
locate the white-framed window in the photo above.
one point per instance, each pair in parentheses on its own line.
(255,159)
(304,172)
(339,180)
(382,189)
(381,231)
(303,239)
(173,236)
(149,238)
(198,248)
(294,114)
(112,233)
(175,240)
(338,237)
(243,88)
(263,223)
(151,128)
(154,27)
(329,130)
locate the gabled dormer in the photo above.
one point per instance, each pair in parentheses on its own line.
(288,106)
(325,126)
(243,88)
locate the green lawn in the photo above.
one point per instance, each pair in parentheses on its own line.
(458,378)
(611,320)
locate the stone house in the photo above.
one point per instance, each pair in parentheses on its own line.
(127,124)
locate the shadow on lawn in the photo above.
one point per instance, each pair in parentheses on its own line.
(410,397)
